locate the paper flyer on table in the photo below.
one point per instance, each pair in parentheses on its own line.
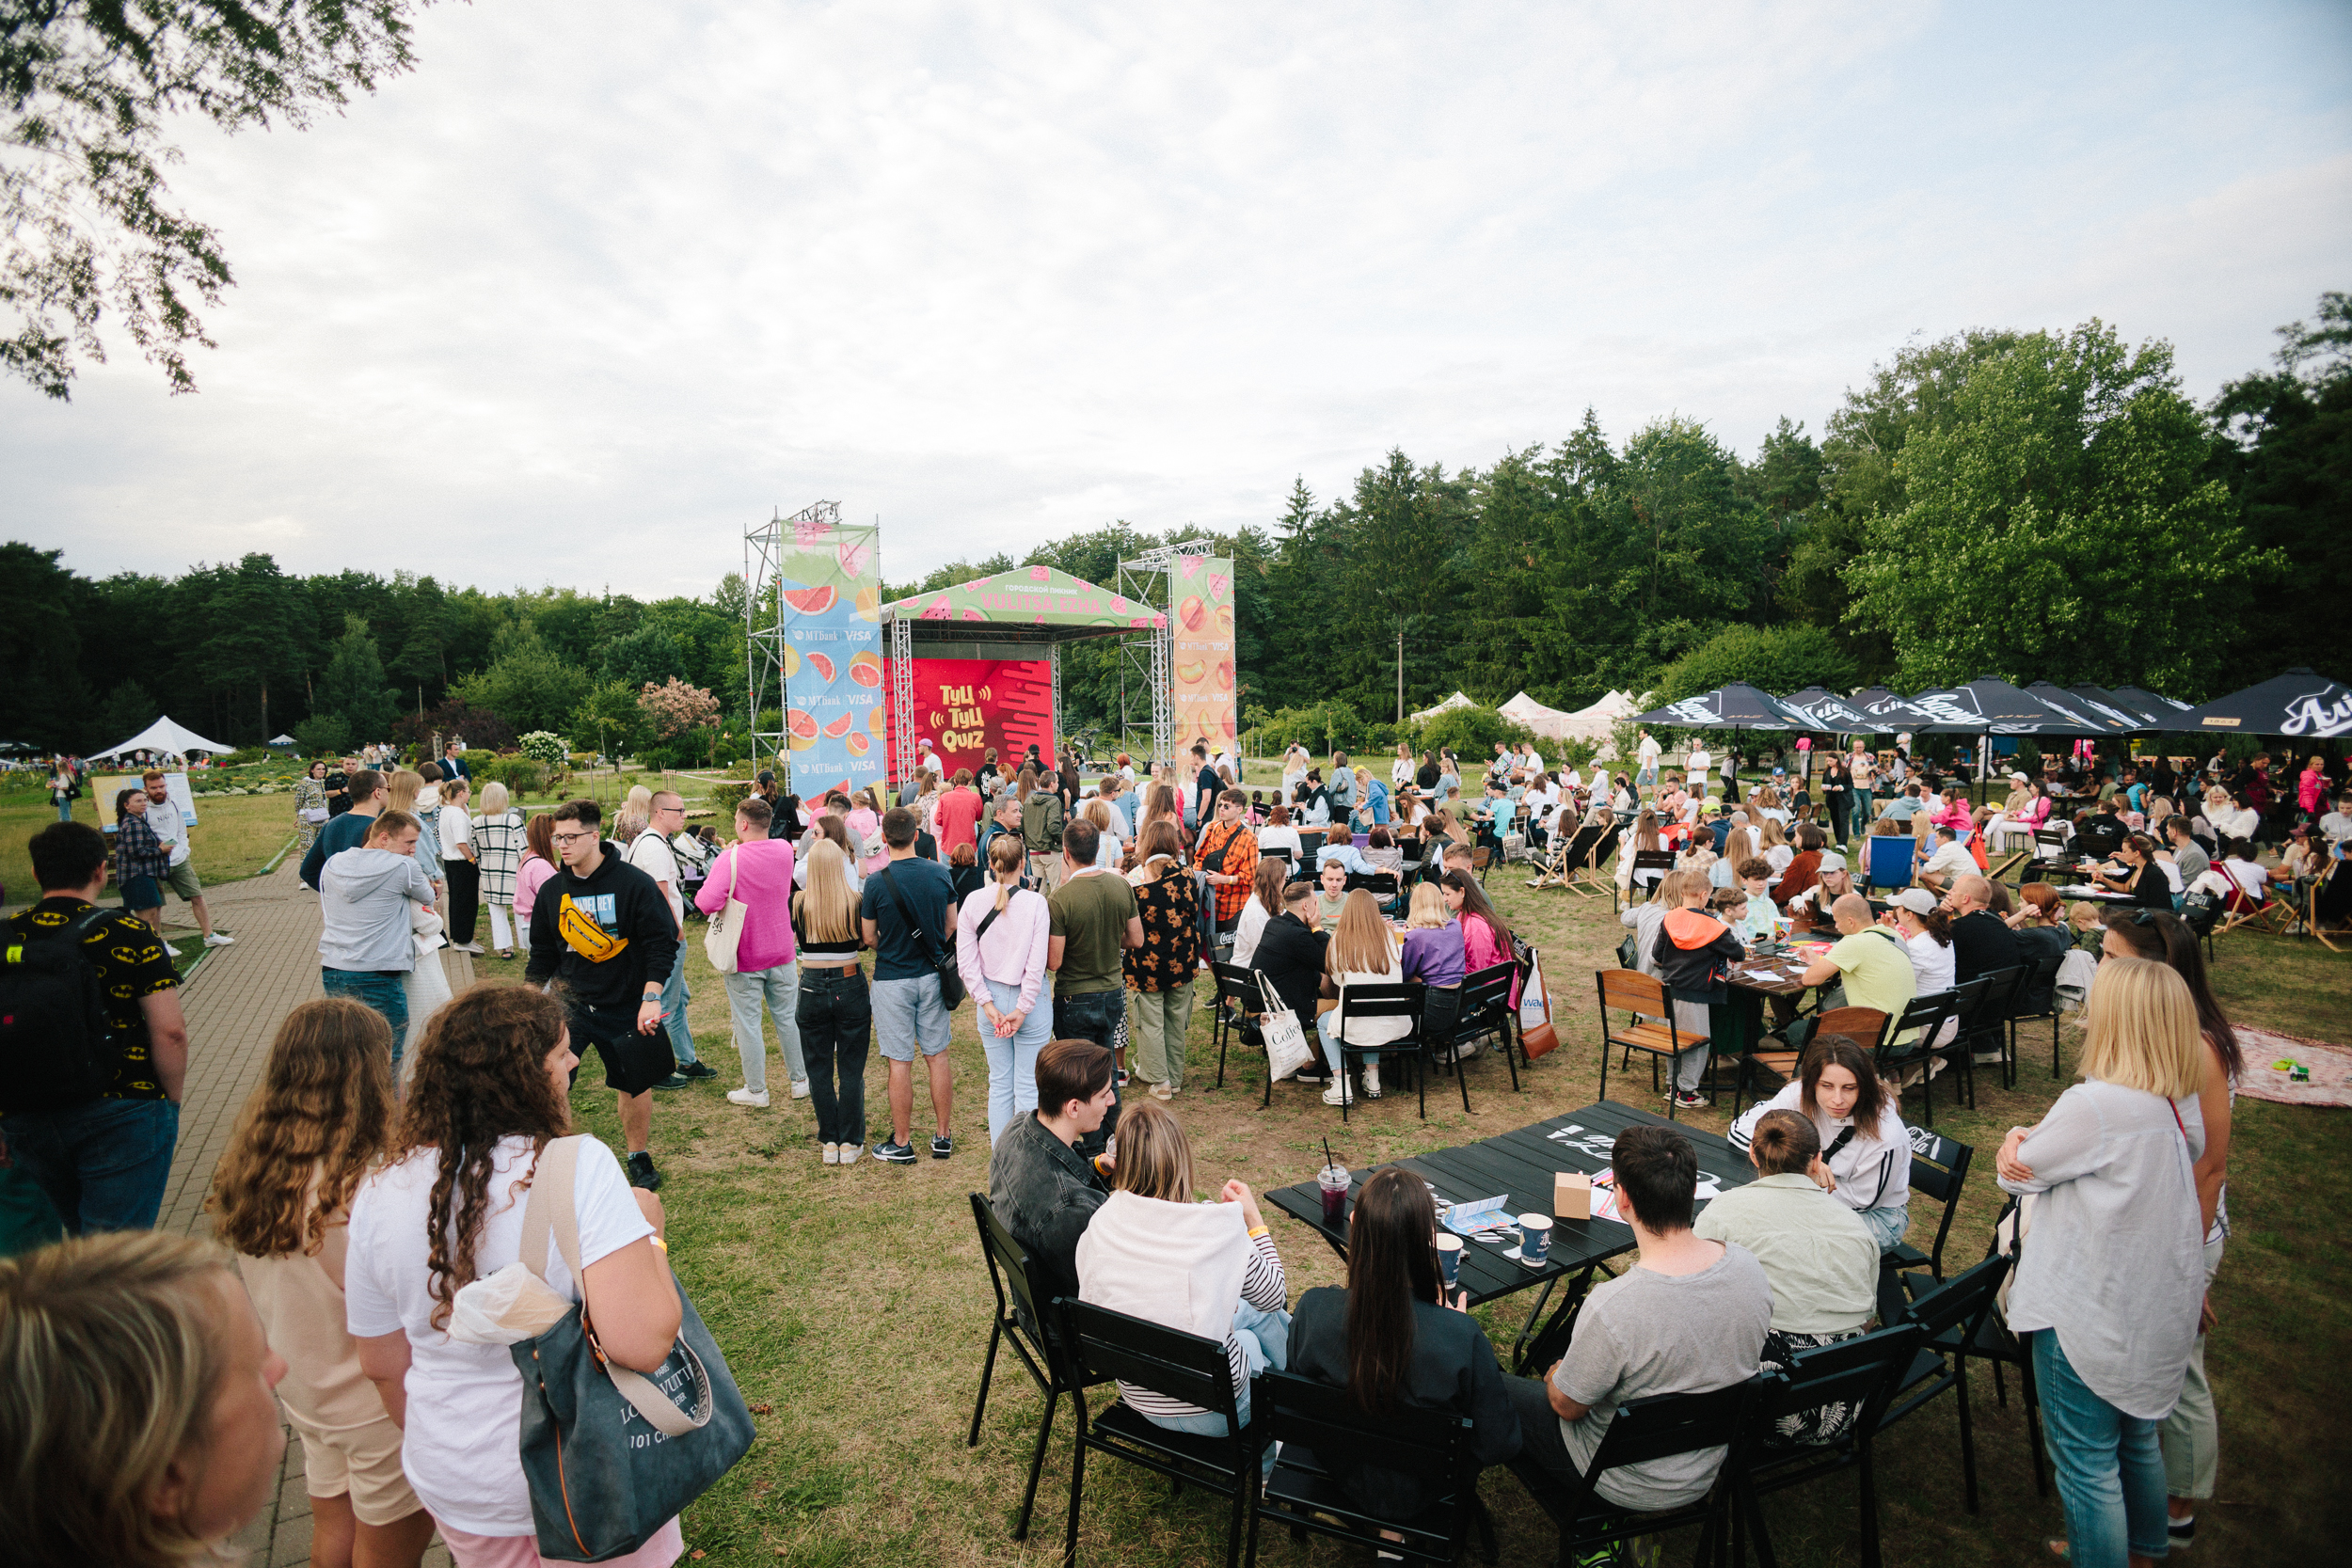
(1486,1213)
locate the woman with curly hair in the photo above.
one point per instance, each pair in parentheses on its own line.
(491,1091)
(306,1138)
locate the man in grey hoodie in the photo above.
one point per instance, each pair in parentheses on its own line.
(366,943)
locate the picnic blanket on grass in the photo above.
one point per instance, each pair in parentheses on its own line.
(2330,1069)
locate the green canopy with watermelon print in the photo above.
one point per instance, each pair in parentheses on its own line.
(1029,604)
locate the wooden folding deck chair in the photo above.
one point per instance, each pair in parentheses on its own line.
(1585,876)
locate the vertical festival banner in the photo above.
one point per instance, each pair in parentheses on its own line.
(836,701)
(1202,669)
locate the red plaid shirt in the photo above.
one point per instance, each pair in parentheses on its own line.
(1240,863)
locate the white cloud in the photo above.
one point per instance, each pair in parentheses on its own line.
(602,283)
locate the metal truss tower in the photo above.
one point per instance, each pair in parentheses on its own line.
(765,545)
(1148,657)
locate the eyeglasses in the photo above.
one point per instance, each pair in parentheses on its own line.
(572,838)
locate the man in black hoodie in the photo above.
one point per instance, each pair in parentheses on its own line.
(602,928)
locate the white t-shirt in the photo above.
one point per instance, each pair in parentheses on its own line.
(1700,763)
(650,853)
(456,830)
(1935,964)
(165,820)
(1648,751)
(464,1402)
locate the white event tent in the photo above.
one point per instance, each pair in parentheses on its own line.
(1457,700)
(166,736)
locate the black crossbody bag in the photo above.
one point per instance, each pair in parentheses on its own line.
(951,989)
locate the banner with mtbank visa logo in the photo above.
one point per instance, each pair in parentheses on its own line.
(836,698)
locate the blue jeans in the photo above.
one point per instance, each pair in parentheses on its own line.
(65,811)
(1887,1225)
(104,1163)
(2110,1473)
(1265,1338)
(1093,1015)
(383,992)
(674,997)
(1325,1025)
(1012,1063)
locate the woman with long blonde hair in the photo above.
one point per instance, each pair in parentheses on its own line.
(836,1011)
(2112,1283)
(401,791)
(1362,952)
(311,1130)
(489,1094)
(1002,933)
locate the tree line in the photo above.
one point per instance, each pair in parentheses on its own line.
(2024,504)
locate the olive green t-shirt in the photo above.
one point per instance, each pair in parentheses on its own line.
(1091,916)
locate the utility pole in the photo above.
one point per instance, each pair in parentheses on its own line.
(1400,669)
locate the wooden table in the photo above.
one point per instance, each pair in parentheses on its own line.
(1520,1165)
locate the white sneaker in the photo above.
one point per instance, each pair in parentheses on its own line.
(849,1153)
(219,939)
(473,947)
(833,1154)
(174,952)
(745,1096)
(1337,1093)
(1371,1083)
(800,1088)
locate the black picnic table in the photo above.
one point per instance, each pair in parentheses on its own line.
(1521,1166)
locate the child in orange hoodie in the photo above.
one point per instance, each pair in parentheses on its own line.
(1693,950)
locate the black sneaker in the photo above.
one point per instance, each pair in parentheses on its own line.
(672,1081)
(942,1147)
(698,1069)
(642,1174)
(893,1154)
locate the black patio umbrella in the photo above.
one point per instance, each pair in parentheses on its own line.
(1888,713)
(2299,705)
(1737,706)
(2164,713)
(1831,714)
(1989,705)
(2113,706)
(2109,721)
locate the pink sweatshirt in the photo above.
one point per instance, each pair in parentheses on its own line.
(529,878)
(1013,951)
(762,871)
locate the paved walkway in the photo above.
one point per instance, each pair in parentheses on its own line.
(234,1003)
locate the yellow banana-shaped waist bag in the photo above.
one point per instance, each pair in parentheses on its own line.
(584,936)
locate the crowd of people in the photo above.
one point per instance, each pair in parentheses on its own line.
(373,1191)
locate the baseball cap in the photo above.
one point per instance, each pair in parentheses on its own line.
(1919,900)
(1833,862)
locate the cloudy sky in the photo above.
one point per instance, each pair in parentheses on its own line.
(602,283)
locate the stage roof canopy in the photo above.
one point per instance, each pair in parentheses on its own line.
(1028,604)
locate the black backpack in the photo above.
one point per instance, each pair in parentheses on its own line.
(56,1047)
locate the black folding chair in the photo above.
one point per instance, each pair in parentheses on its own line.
(1405,999)
(1644,1429)
(1104,1344)
(1024,1321)
(2037,999)
(1922,1018)
(1649,868)
(1486,1013)
(1950,1317)
(1939,1169)
(1988,1030)
(1993,1342)
(1319,1425)
(1236,1001)
(1861,1372)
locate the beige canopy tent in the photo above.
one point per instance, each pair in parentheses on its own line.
(1457,700)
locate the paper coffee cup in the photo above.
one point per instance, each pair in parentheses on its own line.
(1534,1240)
(1450,1259)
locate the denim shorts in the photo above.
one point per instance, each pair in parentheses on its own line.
(908,1013)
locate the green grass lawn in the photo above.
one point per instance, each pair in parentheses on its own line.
(854,1305)
(235,836)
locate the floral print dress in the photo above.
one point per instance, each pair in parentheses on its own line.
(1170,954)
